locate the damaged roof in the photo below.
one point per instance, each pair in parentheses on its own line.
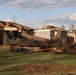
(12,24)
(50,27)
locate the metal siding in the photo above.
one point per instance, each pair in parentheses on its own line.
(43,34)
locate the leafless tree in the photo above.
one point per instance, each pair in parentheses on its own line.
(63,27)
(71,27)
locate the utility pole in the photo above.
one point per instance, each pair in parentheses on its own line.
(14,19)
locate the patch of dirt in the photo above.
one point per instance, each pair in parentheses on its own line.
(4,47)
(41,68)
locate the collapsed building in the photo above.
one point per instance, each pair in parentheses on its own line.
(10,32)
(18,35)
(51,32)
(13,33)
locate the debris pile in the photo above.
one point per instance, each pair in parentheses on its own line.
(24,36)
(11,24)
(72,46)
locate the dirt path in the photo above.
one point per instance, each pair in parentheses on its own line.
(48,69)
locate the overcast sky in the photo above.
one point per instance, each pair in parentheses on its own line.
(37,13)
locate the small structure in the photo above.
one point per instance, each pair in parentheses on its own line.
(72,34)
(52,34)
(45,33)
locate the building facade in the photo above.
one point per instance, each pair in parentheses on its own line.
(45,33)
(9,35)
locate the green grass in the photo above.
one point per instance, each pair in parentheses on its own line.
(12,62)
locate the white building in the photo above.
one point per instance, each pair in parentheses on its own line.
(45,33)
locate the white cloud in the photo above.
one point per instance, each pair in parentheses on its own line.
(38,4)
(27,23)
(73,17)
(7,20)
(67,20)
(50,24)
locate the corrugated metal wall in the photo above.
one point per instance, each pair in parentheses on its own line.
(48,34)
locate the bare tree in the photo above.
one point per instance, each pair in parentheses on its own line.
(63,27)
(71,27)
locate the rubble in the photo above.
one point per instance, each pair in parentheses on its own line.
(24,36)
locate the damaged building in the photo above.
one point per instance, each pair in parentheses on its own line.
(73,35)
(10,32)
(45,33)
(13,33)
(51,32)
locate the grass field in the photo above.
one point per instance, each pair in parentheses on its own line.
(40,63)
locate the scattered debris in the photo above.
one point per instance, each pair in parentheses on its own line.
(19,36)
